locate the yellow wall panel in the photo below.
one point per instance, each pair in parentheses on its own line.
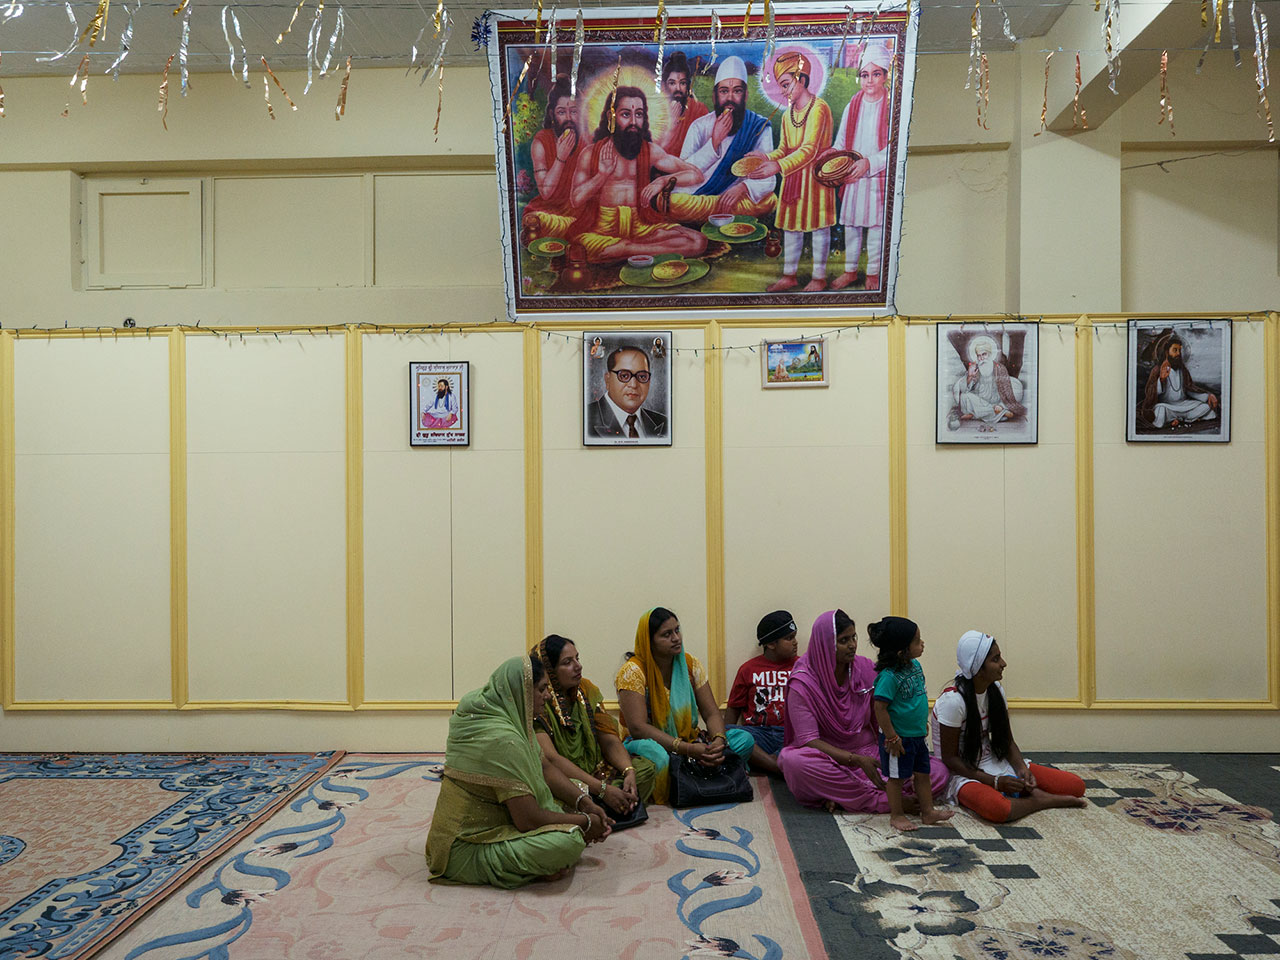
(806,488)
(91,545)
(624,528)
(991,530)
(414,247)
(1181,571)
(266,512)
(321,246)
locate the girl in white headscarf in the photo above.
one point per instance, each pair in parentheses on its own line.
(989,774)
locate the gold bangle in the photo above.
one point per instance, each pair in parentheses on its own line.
(627,770)
(720,736)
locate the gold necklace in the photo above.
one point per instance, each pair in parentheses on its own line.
(792,113)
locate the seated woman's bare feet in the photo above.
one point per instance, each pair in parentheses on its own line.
(938,815)
(830,806)
(902,824)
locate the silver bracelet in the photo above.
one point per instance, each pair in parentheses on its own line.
(577,806)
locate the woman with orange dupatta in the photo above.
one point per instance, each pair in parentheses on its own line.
(661,690)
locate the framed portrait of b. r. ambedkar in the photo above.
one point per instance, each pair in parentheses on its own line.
(626,389)
(988,383)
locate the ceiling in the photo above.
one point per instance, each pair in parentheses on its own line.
(378,32)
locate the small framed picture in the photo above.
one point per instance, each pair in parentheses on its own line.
(626,389)
(988,383)
(793,363)
(440,404)
(1179,381)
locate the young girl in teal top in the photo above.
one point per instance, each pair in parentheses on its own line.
(902,711)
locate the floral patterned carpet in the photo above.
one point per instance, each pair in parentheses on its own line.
(90,842)
(1159,866)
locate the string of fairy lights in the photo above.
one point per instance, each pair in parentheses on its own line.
(427,330)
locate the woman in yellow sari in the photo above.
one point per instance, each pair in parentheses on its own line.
(580,736)
(496,820)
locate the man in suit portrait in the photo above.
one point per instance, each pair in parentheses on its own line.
(621,411)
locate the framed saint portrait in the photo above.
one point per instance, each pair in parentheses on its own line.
(793,363)
(1179,381)
(626,389)
(440,404)
(988,383)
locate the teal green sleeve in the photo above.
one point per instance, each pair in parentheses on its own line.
(886,687)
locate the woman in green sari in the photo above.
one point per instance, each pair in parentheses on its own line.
(496,820)
(578,735)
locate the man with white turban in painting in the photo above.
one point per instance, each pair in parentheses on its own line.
(986,392)
(716,142)
(864,128)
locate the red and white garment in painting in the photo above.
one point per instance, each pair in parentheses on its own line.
(864,127)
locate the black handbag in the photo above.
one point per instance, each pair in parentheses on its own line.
(696,785)
(622,821)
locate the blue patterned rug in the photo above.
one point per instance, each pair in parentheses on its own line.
(99,839)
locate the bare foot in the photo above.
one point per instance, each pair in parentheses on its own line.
(1058,799)
(846,279)
(786,282)
(937,815)
(816,285)
(902,824)
(830,806)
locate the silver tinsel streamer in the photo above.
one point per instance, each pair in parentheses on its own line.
(715,35)
(413,50)
(313,45)
(662,42)
(1110,41)
(770,37)
(1262,74)
(975,45)
(244,54)
(126,40)
(1008,31)
(14,9)
(339,34)
(183,45)
(446,30)
(75,39)
(864,25)
(579,34)
(551,43)
(1235,41)
(844,34)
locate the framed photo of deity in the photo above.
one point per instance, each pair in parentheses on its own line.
(626,389)
(793,363)
(440,404)
(714,162)
(988,383)
(1179,381)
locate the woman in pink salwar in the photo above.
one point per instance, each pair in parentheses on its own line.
(828,757)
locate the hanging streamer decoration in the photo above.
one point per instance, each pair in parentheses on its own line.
(1261,58)
(1,96)
(613,97)
(715,36)
(313,44)
(180,7)
(126,41)
(14,9)
(660,34)
(1079,117)
(338,36)
(1110,33)
(266,94)
(482,30)
(341,108)
(1204,13)
(82,76)
(163,106)
(97,23)
(75,40)
(1235,41)
(975,44)
(984,93)
(770,36)
(1217,21)
(553,46)
(1044,104)
(1166,101)
(746,18)
(844,34)
(579,35)
(276,81)
(285,32)
(183,45)
(1004,26)
(437,62)
(435,131)
(524,72)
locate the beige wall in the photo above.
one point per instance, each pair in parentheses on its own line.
(423,569)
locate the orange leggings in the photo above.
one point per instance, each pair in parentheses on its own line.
(990,804)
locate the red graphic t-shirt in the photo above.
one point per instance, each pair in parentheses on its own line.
(759,691)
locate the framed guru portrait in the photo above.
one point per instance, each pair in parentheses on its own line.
(440,404)
(626,389)
(988,383)
(1179,381)
(680,158)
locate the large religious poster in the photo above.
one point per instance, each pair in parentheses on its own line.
(684,158)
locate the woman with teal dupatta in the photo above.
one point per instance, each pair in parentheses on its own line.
(496,820)
(661,691)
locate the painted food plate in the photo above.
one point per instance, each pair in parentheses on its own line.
(746,165)
(548,247)
(742,230)
(668,270)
